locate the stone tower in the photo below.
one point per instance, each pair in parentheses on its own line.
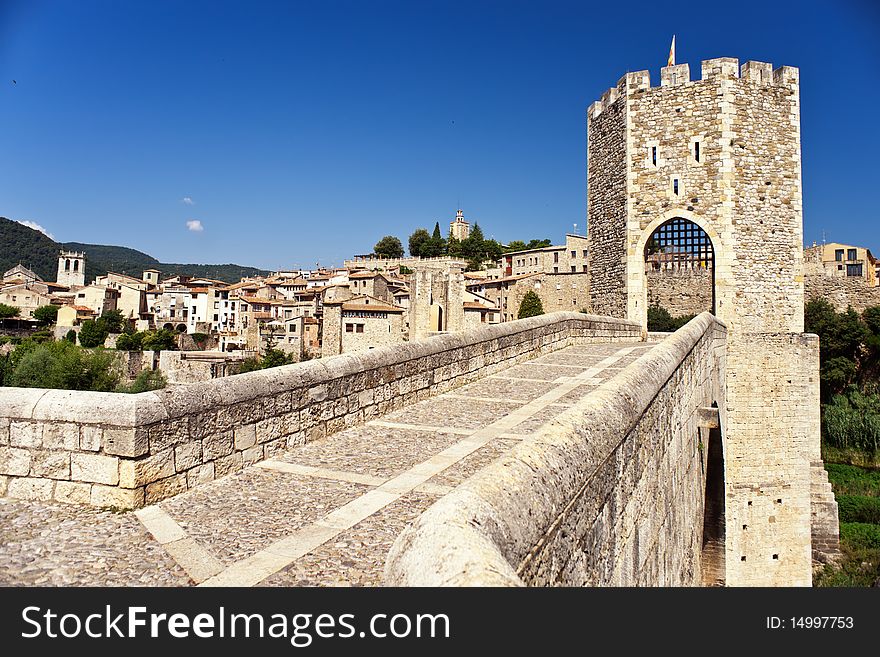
(436,303)
(72,268)
(717,161)
(459,228)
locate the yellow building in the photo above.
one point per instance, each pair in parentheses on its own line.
(847,261)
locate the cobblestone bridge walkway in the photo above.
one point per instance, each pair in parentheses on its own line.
(323,514)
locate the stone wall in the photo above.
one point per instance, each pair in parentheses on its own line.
(681,291)
(607,168)
(609,493)
(841,292)
(124,451)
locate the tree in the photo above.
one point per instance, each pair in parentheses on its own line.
(70,336)
(388,247)
(454,248)
(46,314)
(8,311)
(437,235)
(417,242)
(130,341)
(161,340)
(538,244)
(530,306)
(515,245)
(92,334)
(112,321)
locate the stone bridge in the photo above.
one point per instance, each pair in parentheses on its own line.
(563,449)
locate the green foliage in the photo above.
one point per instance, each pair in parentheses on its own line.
(417,240)
(92,334)
(388,247)
(250,365)
(112,321)
(43,335)
(403,270)
(853,480)
(46,314)
(842,339)
(272,358)
(530,306)
(8,311)
(61,365)
(852,420)
(659,319)
(860,535)
(145,381)
(858,508)
(70,336)
(130,341)
(437,235)
(200,339)
(161,340)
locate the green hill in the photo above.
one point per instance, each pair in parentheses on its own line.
(38,252)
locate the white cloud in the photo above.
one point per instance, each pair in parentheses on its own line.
(186,200)
(36,226)
(195,226)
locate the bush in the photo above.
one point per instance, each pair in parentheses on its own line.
(530,306)
(161,340)
(62,365)
(660,320)
(130,341)
(852,420)
(860,535)
(858,508)
(92,334)
(8,311)
(853,480)
(145,381)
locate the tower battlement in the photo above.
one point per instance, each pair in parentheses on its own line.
(711,70)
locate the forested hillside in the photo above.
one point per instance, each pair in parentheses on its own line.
(38,252)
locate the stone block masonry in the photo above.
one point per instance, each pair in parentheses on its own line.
(124,451)
(610,493)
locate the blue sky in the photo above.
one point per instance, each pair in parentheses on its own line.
(301,132)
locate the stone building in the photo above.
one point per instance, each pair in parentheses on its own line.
(712,167)
(569,258)
(360,323)
(845,261)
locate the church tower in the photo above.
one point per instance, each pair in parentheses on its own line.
(72,268)
(459,228)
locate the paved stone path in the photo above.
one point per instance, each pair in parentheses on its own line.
(321,514)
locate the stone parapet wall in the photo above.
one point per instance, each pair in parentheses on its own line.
(609,493)
(124,451)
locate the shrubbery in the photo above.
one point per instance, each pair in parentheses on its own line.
(660,320)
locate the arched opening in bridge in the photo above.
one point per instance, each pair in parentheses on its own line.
(679,272)
(712,558)
(168,326)
(181,328)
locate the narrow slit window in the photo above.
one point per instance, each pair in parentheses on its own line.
(654,155)
(675,186)
(697,151)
